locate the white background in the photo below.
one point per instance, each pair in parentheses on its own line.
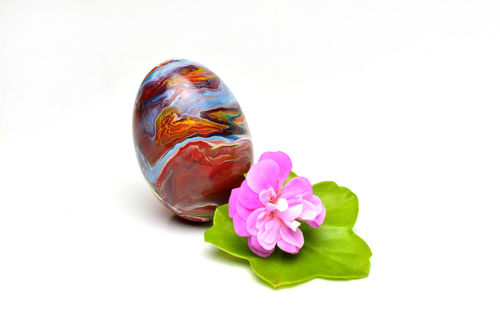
(397,100)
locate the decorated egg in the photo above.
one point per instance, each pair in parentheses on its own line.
(191,138)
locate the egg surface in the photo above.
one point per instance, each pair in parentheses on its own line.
(191,138)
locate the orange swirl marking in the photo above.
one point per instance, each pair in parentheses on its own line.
(190,74)
(172,128)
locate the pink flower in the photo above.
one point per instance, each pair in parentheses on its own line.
(266,211)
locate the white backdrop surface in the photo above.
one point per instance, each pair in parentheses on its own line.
(397,100)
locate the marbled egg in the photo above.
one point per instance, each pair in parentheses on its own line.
(191,138)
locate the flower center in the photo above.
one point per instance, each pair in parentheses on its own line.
(268,196)
(282,204)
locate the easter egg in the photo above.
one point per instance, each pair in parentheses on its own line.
(191,138)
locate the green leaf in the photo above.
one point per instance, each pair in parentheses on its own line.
(291,176)
(331,251)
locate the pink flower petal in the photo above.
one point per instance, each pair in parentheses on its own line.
(252,220)
(254,246)
(310,210)
(268,235)
(291,213)
(262,219)
(242,211)
(294,225)
(271,207)
(248,198)
(263,175)
(287,247)
(232,202)
(284,162)
(240,226)
(319,220)
(266,196)
(297,187)
(294,238)
(315,212)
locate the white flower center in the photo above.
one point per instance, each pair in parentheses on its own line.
(282,204)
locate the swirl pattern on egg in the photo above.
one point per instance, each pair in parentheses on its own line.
(191,138)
